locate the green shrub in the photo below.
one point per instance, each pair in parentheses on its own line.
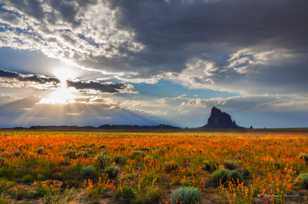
(126,195)
(219,176)
(102,161)
(137,154)
(185,195)
(120,160)
(27,179)
(231,165)
(171,166)
(210,166)
(88,172)
(223,176)
(302,180)
(112,172)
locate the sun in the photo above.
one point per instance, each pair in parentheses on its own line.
(63,94)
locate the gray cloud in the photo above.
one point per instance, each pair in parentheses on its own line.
(247,43)
(15,79)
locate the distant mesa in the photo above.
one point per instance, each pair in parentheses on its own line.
(220,120)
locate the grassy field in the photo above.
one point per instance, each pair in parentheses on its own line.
(125,167)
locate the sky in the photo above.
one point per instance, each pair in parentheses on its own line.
(149,62)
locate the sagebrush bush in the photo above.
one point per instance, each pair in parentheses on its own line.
(186,195)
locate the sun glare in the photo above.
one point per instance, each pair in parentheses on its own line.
(63,94)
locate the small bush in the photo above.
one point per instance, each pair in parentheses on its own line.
(219,177)
(210,166)
(102,161)
(88,172)
(223,176)
(185,195)
(27,179)
(126,195)
(112,172)
(138,154)
(231,165)
(171,166)
(119,160)
(302,180)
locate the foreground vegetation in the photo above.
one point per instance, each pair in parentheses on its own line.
(186,168)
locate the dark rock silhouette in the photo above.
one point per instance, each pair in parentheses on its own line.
(220,120)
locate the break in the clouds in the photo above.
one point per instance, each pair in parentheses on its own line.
(231,47)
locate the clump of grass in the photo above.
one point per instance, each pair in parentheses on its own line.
(223,176)
(112,172)
(231,165)
(27,179)
(210,166)
(89,172)
(151,195)
(186,195)
(302,180)
(120,160)
(137,154)
(97,193)
(171,166)
(102,161)
(125,195)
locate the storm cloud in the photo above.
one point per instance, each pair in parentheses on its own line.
(250,48)
(15,79)
(150,40)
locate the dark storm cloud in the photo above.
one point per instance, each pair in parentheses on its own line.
(98,86)
(52,82)
(146,39)
(41,79)
(174,31)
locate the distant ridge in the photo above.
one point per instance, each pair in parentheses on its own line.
(106,127)
(220,120)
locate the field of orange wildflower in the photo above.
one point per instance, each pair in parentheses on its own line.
(153,167)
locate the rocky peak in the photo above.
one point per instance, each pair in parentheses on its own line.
(220,120)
